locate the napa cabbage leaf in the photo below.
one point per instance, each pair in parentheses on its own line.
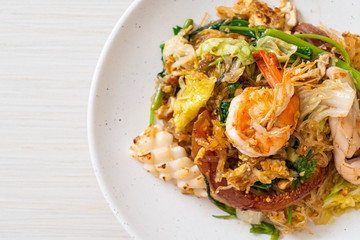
(195,90)
(332,98)
(280,48)
(226,47)
(343,197)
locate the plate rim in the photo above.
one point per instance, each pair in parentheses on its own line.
(95,161)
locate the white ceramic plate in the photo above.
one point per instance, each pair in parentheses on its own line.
(119,110)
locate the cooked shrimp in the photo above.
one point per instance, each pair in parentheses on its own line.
(345,134)
(260,121)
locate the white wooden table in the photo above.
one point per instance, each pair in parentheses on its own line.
(48,53)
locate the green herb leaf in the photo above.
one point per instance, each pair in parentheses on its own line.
(303,164)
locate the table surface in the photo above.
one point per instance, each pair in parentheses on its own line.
(49,50)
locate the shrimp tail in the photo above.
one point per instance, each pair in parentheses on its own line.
(269,67)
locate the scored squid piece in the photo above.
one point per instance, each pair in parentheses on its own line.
(345,134)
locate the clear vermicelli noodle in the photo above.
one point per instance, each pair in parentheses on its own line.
(259,113)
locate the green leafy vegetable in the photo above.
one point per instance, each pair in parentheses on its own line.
(265,228)
(224,111)
(224,106)
(261,185)
(223,23)
(162,51)
(303,166)
(215,25)
(316,51)
(176,30)
(296,40)
(328,40)
(163,72)
(243,30)
(222,206)
(232,88)
(280,48)
(304,52)
(187,23)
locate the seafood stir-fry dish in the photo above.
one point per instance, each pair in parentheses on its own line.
(259,113)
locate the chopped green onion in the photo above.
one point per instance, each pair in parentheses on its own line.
(225,216)
(290,214)
(188,22)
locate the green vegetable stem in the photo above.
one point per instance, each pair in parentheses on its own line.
(295,39)
(222,24)
(258,32)
(156,103)
(290,214)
